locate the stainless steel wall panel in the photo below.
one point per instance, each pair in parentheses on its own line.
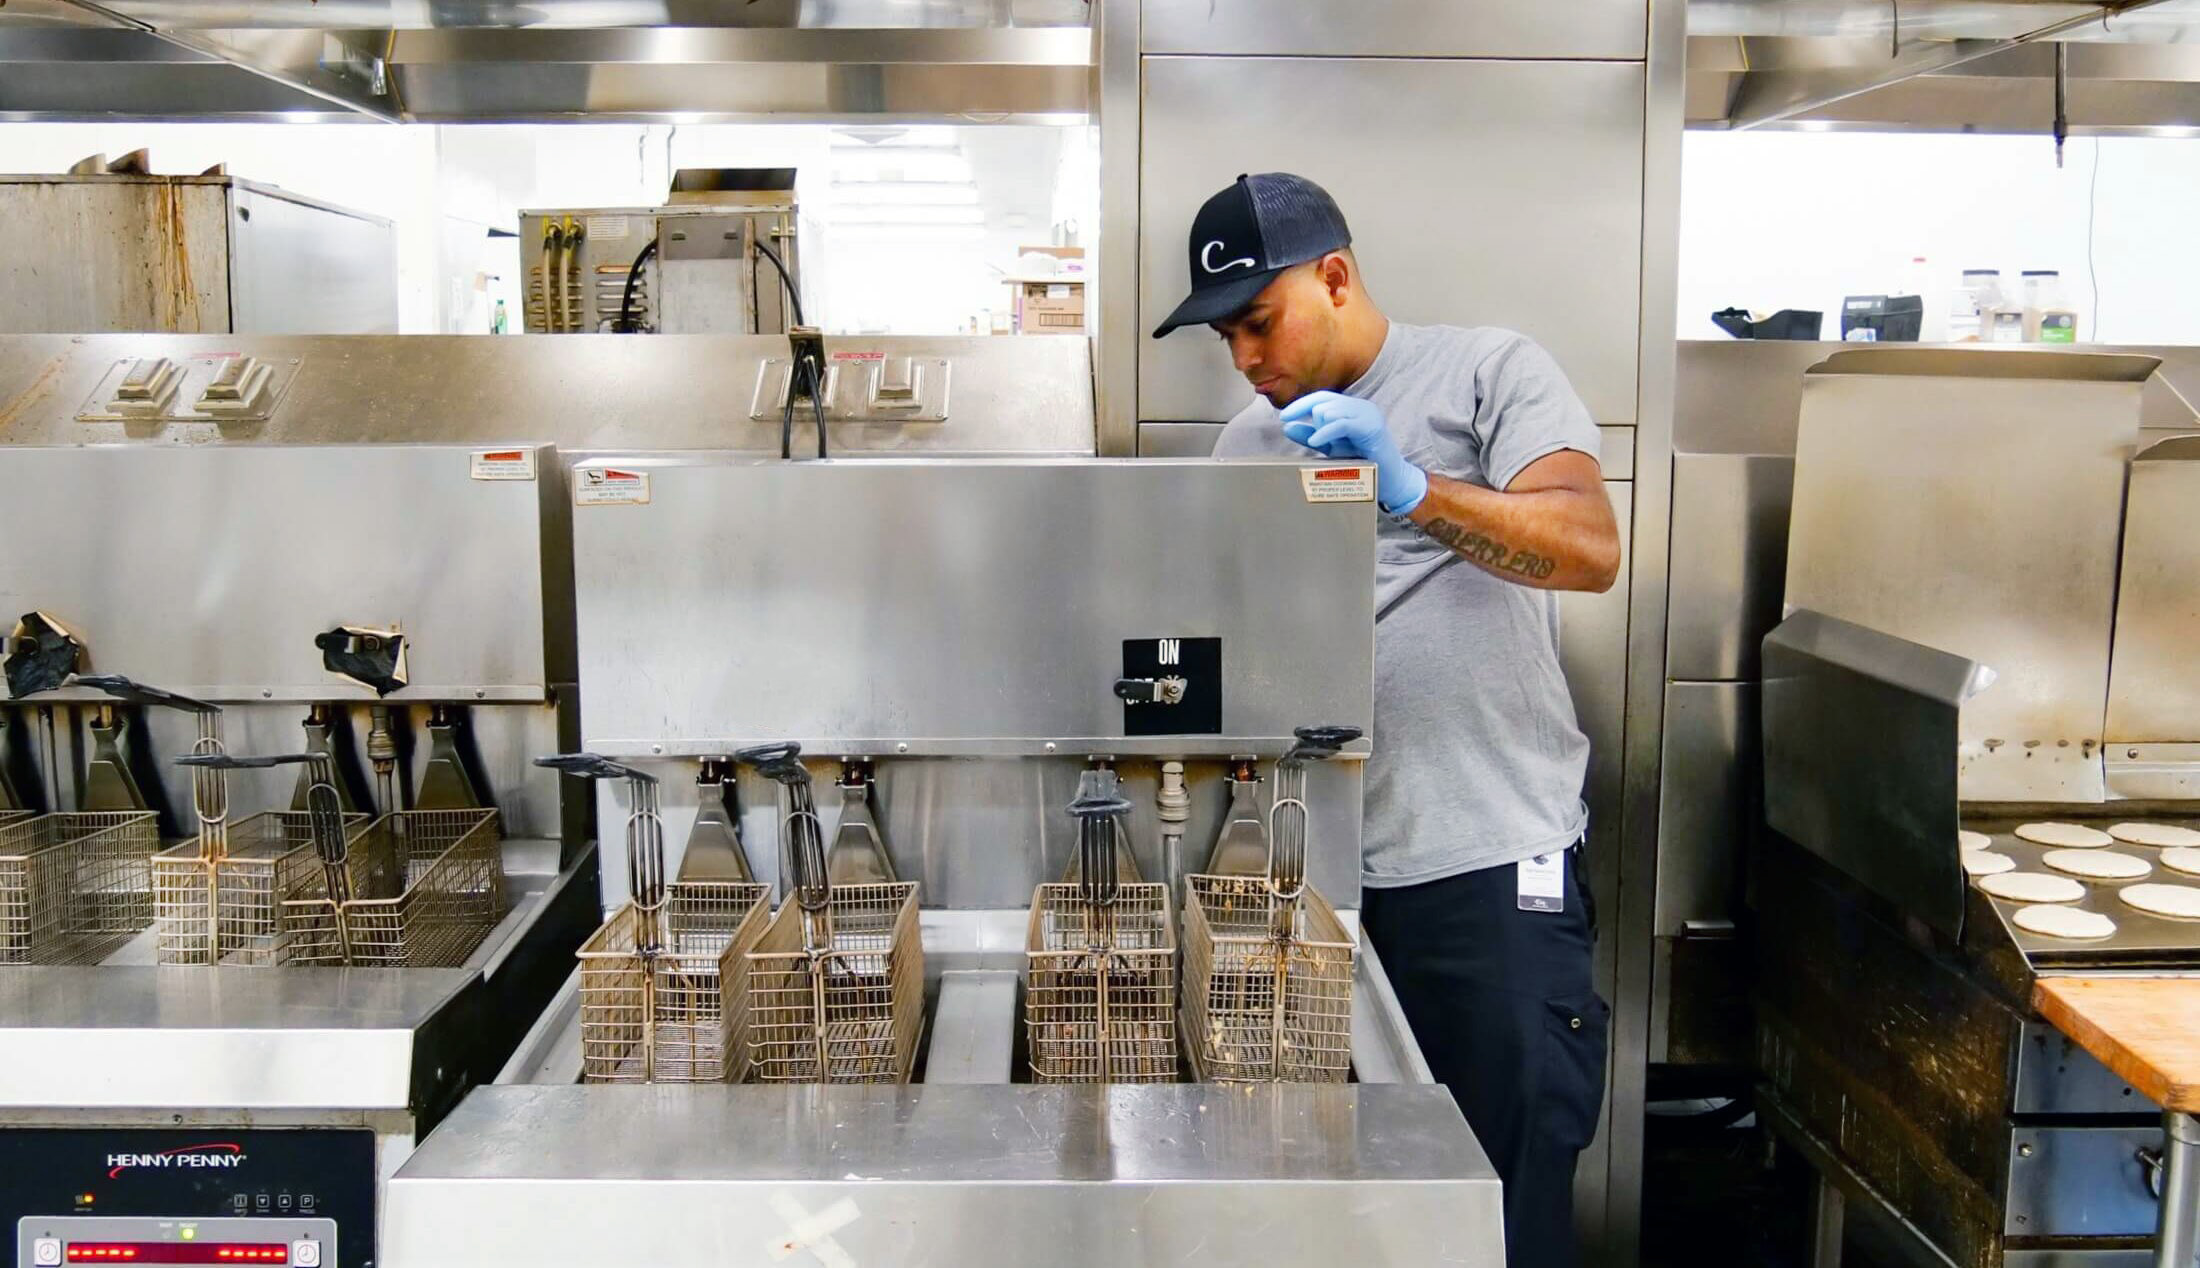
(209,570)
(297,266)
(1707,801)
(1925,507)
(969,608)
(1011,396)
(1729,563)
(114,253)
(2154,679)
(1551,152)
(1592,650)
(1425,28)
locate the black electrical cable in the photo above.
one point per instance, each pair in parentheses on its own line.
(793,296)
(817,400)
(625,324)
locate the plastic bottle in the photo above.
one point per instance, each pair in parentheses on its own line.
(2048,318)
(497,323)
(1975,297)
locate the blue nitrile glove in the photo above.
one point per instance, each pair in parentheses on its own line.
(1338,426)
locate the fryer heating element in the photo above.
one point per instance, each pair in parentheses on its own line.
(1100,958)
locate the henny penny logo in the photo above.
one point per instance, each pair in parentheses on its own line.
(218,1154)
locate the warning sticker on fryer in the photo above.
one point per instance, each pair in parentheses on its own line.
(610,486)
(1338,484)
(504,464)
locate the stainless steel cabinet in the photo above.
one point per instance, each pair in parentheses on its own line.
(1355,28)
(1510,193)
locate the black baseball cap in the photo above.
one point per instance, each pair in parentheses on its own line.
(1248,233)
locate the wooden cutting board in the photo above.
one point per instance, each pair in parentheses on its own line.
(2146,1029)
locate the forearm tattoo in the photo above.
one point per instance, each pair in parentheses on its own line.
(1490,553)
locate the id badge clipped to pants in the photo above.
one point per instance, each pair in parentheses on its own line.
(1542,884)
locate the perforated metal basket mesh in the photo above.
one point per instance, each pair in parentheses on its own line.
(845,1013)
(670,1017)
(427,886)
(1258,1008)
(224,911)
(1106,1015)
(73,887)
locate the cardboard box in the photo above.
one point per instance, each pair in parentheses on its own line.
(1050,307)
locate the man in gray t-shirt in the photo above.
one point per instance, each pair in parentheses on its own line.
(1486,467)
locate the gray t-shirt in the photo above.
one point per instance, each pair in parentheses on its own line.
(1478,760)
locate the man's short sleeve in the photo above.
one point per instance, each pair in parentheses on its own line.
(1526,410)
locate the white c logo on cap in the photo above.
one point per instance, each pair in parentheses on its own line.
(1206,259)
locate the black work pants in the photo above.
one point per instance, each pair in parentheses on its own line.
(1502,1004)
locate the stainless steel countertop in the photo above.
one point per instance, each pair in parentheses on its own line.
(131,1036)
(952,1133)
(945,1175)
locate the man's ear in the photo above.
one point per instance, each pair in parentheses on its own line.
(1336,275)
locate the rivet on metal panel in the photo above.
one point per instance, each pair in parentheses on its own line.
(657,748)
(1050,746)
(480,693)
(2024,1150)
(902,747)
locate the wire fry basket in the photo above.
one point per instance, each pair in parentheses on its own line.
(845,1009)
(223,910)
(426,887)
(1259,1008)
(1105,1015)
(669,1016)
(74,886)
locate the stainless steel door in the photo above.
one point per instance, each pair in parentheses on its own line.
(1508,193)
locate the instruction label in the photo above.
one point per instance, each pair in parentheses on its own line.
(610,486)
(606,228)
(1338,484)
(504,464)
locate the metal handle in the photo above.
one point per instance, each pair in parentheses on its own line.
(257,761)
(1320,743)
(1095,807)
(123,689)
(593,766)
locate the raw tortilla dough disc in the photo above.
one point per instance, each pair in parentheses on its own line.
(2186,861)
(2099,867)
(1986,862)
(1978,840)
(2067,836)
(2063,922)
(2164,835)
(2178,902)
(2032,887)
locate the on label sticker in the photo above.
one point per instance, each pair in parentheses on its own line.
(503,464)
(606,228)
(1338,484)
(859,356)
(610,486)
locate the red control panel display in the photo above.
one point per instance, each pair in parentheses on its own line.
(177,1253)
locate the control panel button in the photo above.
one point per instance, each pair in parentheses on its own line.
(282,1202)
(46,1251)
(306,1203)
(305,1253)
(259,1202)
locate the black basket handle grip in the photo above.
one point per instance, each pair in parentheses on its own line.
(122,688)
(593,766)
